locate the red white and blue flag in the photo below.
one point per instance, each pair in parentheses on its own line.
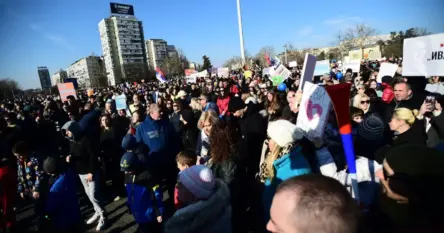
(160,76)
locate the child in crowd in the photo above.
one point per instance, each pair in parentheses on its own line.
(144,194)
(356,115)
(31,179)
(184,159)
(62,208)
(8,187)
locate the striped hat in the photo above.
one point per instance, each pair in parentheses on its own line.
(199,180)
(371,128)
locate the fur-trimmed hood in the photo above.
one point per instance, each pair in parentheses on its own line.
(212,215)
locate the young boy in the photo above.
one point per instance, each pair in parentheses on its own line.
(62,208)
(184,159)
(356,115)
(144,194)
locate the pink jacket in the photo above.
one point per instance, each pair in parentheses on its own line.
(387,94)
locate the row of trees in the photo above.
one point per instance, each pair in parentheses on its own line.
(357,37)
(173,66)
(8,88)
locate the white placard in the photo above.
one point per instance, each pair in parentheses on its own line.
(435,88)
(223,72)
(354,65)
(293,64)
(282,71)
(313,111)
(308,69)
(267,71)
(386,69)
(424,56)
(120,102)
(322,67)
(191,79)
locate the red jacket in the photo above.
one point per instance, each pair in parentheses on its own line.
(387,94)
(234,90)
(222,104)
(8,190)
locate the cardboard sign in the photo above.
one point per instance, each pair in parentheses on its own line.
(322,67)
(386,69)
(65,90)
(282,71)
(354,65)
(223,72)
(277,80)
(435,88)
(191,79)
(424,56)
(120,102)
(308,69)
(293,64)
(313,111)
(248,74)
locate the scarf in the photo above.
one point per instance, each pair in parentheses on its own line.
(264,173)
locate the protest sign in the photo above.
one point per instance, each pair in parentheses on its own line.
(65,90)
(313,111)
(276,80)
(293,64)
(435,88)
(223,72)
(322,67)
(282,71)
(188,72)
(354,65)
(120,102)
(386,69)
(267,71)
(248,74)
(308,69)
(424,56)
(191,79)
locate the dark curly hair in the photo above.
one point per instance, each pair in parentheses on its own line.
(222,140)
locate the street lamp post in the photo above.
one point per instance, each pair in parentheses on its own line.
(241,34)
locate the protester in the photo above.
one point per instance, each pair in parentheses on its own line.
(222,103)
(185,159)
(406,128)
(206,203)
(175,116)
(206,122)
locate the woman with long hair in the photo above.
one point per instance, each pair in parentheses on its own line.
(207,120)
(110,153)
(362,101)
(222,102)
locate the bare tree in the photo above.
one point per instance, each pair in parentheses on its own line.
(260,56)
(356,37)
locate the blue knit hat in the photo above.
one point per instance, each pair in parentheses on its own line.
(199,180)
(129,162)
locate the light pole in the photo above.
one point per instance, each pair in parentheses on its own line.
(241,34)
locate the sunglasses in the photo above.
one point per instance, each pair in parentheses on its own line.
(365,102)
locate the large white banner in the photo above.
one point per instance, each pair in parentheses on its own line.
(424,56)
(386,69)
(354,65)
(307,69)
(313,111)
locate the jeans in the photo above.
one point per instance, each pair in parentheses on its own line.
(93,193)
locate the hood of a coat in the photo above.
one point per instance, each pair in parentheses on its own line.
(74,128)
(203,215)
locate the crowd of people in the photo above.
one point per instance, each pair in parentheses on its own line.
(229,156)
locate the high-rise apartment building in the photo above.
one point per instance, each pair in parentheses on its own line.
(89,72)
(172,52)
(45,79)
(58,77)
(123,45)
(157,50)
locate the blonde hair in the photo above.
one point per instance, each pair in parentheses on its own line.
(195,104)
(154,108)
(272,156)
(406,115)
(210,116)
(357,100)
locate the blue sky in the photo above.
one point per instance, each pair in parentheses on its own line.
(55,33)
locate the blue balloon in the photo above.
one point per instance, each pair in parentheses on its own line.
(282,87)
(339,75)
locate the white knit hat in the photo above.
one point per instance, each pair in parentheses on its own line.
(283,132)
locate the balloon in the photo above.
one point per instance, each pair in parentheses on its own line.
(282,87)
(339,75)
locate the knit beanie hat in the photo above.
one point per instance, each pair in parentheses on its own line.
(199,180)
(129,162)
(284,132)
(235,104)
(371,128)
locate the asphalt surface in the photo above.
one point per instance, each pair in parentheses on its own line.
(119,218)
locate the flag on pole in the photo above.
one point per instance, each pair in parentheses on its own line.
(267,58)
(160,76)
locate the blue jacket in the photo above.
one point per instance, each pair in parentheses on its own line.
(211,106)
(289,165)
(62,205)
(144,197)
(160,137)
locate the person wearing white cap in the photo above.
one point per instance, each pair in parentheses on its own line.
(285,159)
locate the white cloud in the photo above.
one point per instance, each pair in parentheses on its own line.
(305,31)
(342,19)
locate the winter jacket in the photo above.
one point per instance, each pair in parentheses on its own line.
(211,106)
(144,197)
(8,183)
(289,165)
(415,135)
(387,94)
(161,139)
(205,216)
(91,125)
(29,175)
(175,121)
(222,104)
(189,137)
(62,205)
